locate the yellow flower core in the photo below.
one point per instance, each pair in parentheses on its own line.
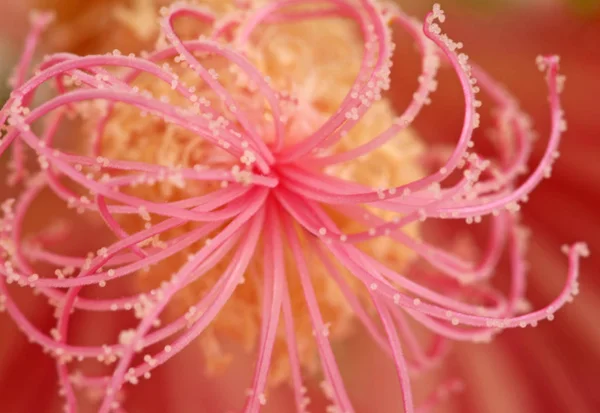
(315,61)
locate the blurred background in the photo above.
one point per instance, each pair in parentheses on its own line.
(555,367)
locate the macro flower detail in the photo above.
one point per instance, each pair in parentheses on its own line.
(251,181)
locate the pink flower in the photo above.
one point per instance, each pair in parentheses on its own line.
(250,184)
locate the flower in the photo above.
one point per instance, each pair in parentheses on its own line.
(251,162)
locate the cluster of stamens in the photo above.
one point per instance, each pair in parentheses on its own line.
(267,198)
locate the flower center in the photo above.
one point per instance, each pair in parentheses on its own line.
(312,66)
